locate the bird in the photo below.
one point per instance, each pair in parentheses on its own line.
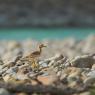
(32,57)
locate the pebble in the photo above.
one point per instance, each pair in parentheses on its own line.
(72,78)
(21,77)
(43,64)
(93,66)
(51,63)
(46,61)
(4,92)
(47,80)
(56,57)
(7,78)
(12,70)
(89,81)
(72,84)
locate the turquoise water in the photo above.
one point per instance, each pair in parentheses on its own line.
(46,33)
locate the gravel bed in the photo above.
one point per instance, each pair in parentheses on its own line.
(65,67)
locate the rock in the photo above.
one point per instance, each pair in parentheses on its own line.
(22,77)
(72,84)
(7,78)
(72,78)
(85,93)
(4,92)
(22,93)
(63,76)
(93,66)
(12,70)
(43,64)
(72,70)
(84,61)
(91,74)
(51,63)
(55,69)
(46,61)
(34,82)
(59,73)
(47,80)
(56,57)
(89,81)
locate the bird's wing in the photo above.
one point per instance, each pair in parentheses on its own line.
(36,53)
(33,54)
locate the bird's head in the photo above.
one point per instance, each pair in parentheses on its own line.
(42,45)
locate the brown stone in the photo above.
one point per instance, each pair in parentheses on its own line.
(46,80)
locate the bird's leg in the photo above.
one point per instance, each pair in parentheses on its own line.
(34,64)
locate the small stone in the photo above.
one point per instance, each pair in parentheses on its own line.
(32,75)
(33,82)
(59,73)
(6,77)
(72,78)
(12,70)
(67,64)
(51,63)
(4,92)
(63,76)
(93,66)
(47,80)
(56,69)
(72,70)
(72,84)
(21,76)
(43,64)
(45,61)
(56,57)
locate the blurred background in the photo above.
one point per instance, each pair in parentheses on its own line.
(46,18)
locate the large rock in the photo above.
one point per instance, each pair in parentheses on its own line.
(4,92)
(84,61)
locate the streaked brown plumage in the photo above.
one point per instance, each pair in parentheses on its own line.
(32,56)
(36,53)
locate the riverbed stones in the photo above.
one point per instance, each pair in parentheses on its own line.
(62,64)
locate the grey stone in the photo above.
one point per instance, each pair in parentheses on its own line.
(84,61)
(4,92)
